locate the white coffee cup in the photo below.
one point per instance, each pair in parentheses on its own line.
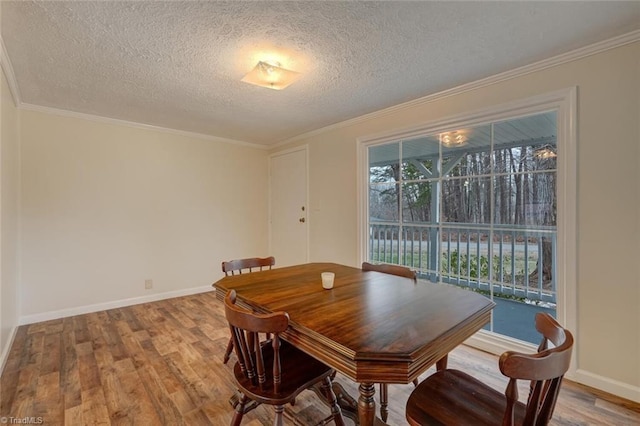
(327,280)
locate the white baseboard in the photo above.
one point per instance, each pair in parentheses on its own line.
(5,351)
(615,387)
(496,344)
(46,316)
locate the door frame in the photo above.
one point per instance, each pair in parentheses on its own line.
(304,148)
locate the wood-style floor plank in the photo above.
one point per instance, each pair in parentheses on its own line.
(160,363)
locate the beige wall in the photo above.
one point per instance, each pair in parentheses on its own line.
(9,189)
(608,210)
(106,206)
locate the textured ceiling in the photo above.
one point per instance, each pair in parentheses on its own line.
(179,64)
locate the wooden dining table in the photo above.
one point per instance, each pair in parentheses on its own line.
(371,326)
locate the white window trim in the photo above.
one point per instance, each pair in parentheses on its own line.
(563,101)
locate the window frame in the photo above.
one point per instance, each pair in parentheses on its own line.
(562,101)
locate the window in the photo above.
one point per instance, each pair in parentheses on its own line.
(476,202)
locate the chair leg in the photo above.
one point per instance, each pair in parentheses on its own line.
(384,402)
(227,354)
(278,419)
(441,364)
(336,412)
(384,399)
(237,416)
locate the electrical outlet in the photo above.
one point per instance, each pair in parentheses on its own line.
(148,284)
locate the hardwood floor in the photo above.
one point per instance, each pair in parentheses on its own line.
(160,363)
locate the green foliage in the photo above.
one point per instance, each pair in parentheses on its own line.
(472,265)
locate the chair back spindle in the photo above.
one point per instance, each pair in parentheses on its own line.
(233,267)
(245,327)
(272,371)
(252,264)
(544,370)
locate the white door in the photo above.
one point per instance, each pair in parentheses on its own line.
(288,207)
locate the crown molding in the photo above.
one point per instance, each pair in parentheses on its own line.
(592,49)
(116,121)
(573,55)
(5,62)
(7,67)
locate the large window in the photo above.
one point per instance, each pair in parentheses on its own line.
(474,206)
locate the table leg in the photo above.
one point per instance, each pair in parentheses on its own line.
(366,404)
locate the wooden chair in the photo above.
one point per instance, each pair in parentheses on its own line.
(272,371)
(234,267)
(451,397)
(401,271)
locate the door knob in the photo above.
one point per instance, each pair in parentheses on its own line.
(302,220)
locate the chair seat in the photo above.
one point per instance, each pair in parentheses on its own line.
(451,397)
(299,372)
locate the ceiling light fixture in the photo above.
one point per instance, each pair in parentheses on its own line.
(270,74)
(452,140)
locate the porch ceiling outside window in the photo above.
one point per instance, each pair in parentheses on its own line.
(537,129)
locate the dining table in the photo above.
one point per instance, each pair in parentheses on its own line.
(371,326)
